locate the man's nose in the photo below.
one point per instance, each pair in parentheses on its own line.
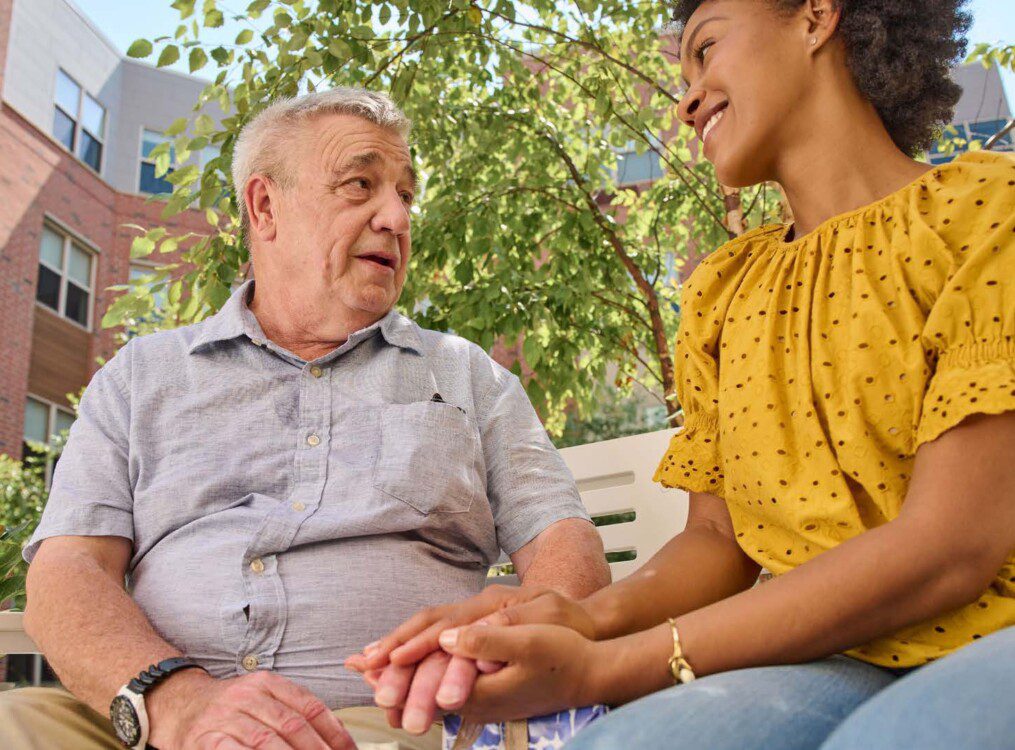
(392,215)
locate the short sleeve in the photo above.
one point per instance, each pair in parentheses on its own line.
(91,493)
(692,462)
(971,326)
(528,484)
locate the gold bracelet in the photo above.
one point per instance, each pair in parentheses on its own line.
(679,668)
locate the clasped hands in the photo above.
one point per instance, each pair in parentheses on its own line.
(507,653)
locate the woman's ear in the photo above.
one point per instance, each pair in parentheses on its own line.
(821,19)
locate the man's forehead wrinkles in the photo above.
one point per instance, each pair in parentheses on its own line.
(362,159)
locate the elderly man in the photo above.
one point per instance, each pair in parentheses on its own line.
(287,480)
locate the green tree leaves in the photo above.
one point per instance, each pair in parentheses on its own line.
(170,54)
(522,234)
(140,48)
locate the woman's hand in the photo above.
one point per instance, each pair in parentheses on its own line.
(547,668)
(416,638)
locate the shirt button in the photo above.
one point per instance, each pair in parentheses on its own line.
(249,663)
(316,371)
(313,440)
(256,342)
(257,565)
(299,507)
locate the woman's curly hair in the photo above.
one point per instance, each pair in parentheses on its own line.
(900,54)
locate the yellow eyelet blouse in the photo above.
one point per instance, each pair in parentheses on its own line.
(811,371)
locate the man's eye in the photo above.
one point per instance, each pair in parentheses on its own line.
(359,182)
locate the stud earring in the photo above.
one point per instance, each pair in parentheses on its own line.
(814,40)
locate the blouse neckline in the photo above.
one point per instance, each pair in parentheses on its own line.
(834,221)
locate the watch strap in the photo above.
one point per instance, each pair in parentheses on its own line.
(158,672)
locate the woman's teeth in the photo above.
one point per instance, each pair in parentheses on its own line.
(711,124)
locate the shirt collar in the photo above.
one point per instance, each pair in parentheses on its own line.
(235,319)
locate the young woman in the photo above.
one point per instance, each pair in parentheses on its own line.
(848,383)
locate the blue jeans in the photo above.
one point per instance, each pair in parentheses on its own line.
(965,700)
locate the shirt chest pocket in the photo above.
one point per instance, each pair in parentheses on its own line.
(430,457)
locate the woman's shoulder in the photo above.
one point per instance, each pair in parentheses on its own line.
(983,166)
(721,265)
(976,188)
(968,200)
(707,293)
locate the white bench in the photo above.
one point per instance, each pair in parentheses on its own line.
(614,477)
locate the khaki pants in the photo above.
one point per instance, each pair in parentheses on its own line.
(53,719)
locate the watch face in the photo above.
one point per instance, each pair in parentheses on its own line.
(125,721)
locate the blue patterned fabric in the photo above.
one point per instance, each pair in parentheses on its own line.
(545,732)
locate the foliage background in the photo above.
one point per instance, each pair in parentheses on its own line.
(521,111)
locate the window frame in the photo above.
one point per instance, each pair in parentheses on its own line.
(629,150)
(68,239)
(79,125)
(142,159)
(142,264)
(52,408)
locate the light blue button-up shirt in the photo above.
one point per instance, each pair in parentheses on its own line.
(284,513)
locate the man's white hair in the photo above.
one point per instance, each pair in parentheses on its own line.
(265,142)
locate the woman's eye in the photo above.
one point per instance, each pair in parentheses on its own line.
(703,49)
(407,198)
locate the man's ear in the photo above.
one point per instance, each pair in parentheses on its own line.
(260,198)
(821,19)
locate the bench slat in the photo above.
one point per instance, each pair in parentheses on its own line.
(13,639)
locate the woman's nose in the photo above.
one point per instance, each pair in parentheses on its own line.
(689,105)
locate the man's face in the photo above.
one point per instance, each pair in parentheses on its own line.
(343,227)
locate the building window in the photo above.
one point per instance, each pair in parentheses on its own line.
(145,275)
(65,277)
(43,422)
(957,139)
(148,182)
(79,121)
(208,153)
(633,167)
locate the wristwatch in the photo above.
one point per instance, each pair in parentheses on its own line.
(127,711)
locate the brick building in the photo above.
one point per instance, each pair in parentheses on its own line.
(77,120)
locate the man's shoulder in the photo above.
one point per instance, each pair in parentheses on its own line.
(454,350)
(157,349)
(180,339)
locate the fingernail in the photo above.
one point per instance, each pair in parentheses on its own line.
(386,697)
(414,721)
(449,696)
(449,638)
(371,647)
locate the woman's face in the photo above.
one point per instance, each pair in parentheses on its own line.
(747,65)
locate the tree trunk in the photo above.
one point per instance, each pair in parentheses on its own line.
(734,210)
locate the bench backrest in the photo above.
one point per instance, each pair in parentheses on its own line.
(614,478)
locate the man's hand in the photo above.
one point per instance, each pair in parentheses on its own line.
(414,695)
(192,711)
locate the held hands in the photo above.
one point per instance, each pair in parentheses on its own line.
(547,668)
(262,710)
(408,670)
